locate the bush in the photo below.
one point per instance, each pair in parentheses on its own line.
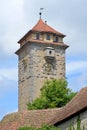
(44,127)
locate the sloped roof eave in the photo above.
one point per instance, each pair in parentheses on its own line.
(43,42)
(76,105)
(24,37)
(54,43)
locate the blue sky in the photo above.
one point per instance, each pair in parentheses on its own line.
(19,16)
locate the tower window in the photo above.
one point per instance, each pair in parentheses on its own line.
(55,39)
(37,36)
(48,37)
(50,52)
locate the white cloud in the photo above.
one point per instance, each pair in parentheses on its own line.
(76,66)
(77,74)
(11,9)
(7,87)
(10,74)
(12,20)
(9,44)
(77,82)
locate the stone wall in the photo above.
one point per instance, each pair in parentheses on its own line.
(33,73)
(73,122)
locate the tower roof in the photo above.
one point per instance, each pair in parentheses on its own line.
(41,26)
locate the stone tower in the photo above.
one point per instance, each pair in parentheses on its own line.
(41,56)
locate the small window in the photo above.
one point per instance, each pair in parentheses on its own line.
(50,52)
(55,39)
(37,35)
(48,37)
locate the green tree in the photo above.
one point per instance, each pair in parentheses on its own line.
(54,93)
(44,127)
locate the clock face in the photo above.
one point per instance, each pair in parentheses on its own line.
(48,67)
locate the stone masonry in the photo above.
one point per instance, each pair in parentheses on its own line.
(32,73)
(73,122)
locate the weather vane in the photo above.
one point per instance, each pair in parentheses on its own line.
(40,12)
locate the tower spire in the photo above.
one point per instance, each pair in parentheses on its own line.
(41,12)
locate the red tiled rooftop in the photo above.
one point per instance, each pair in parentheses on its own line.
(43,27)
(78,103)
(49,116)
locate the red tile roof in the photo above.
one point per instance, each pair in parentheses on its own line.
(49,116)
(78,103)
(27,118)
(41,27)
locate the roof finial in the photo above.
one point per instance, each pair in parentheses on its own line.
(40,12)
